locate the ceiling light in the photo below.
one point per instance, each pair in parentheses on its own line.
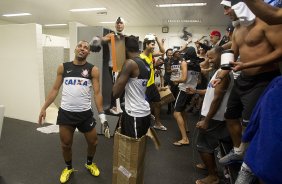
(180,5)
(87,9)
(52,25)
(16,14)
(181,21)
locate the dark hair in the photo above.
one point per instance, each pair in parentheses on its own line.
(190,54)
(132,43)
(168,50)
(146,41)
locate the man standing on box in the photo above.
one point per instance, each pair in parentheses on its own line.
(133,79)
(119,25)
(78,79)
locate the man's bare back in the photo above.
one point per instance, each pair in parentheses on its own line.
(254,42)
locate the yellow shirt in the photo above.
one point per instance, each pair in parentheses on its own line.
(149,60)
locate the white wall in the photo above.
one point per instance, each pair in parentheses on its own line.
(73,36)
(21,71)
(5,22)
(55,41)
(61,32)
(172,38)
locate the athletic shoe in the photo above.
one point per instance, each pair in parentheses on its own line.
(230,158)
(245,176)
(66,173)
(106,129)
(93,169)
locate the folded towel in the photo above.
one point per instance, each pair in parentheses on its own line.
(244,14)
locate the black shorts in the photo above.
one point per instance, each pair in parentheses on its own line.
(245,94)
(208,140)
(134,127)
(83,121)
(152,94)
(182,100)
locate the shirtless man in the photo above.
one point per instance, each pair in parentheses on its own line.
(255,41)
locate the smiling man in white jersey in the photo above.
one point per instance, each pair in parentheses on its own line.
(78,78)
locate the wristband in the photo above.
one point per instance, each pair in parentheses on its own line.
(102,118)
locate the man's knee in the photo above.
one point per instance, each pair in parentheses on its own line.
(66,145)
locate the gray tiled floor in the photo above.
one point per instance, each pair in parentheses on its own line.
(30,157)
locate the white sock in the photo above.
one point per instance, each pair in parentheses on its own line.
(237,151)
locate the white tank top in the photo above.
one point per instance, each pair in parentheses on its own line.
(135,103)
(209,98)
(135,89)
(192,79)
(77,87)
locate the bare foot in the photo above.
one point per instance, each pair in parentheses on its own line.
(181,143)
(201,166)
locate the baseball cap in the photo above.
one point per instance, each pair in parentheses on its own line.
(150,37)
(226,3)
(120,20)
(215,33)
(176,51)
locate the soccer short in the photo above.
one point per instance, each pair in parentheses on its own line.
(83,121)
(208,140)
(245,94)
(182,100)
(152,94)
(134,127)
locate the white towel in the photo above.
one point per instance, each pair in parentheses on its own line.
(244,14)
(49,129)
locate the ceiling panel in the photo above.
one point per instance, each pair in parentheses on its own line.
(135,12)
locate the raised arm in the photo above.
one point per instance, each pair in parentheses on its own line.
(267,13)
(161,51)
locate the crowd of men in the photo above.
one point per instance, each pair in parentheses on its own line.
(241,102)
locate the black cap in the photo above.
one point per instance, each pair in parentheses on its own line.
(119,19)
(233,2)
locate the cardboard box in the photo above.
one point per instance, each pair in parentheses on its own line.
(128,161)
(166,96)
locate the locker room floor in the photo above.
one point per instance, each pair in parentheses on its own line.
(31,157)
